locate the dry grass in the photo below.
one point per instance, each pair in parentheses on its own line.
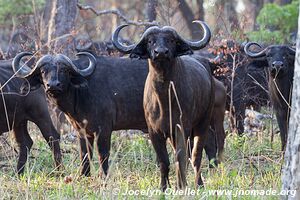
(250,163)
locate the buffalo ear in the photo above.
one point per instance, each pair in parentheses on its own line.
(79,82)
(33,83)
(183,49)
(140,51)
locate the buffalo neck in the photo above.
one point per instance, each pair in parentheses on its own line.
(163,72)
(72,102)
(281,87)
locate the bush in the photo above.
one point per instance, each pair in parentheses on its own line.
(276,23)
(12,8)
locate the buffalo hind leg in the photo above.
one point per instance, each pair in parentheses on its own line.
(86,153)
(180,146)
(25,143)
(199,143)
(103,146)
(159,143)
(211,149)
(220,134)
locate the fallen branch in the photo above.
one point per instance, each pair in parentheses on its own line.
(118,13)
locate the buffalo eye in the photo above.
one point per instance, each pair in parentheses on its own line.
(171,41)
(43,71)
(151,42)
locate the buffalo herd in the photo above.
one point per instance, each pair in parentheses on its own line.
(167,88)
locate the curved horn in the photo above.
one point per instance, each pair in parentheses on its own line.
(205,39)
(117,44)
(83,72)
(252,54)
(40,62)
(292,50)
(21,70)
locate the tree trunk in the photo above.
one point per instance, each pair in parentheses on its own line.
(45,20)
(218,15)
(151,10)
(201,13)
(258,6)
(284,2)
(189,17)
(89,19)
(291,169)
(61,26)
(252,9)
(231,15)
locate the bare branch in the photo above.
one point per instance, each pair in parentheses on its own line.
(118,13)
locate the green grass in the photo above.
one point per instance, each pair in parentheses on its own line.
(250,164)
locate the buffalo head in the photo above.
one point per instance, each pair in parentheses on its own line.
(55,72)
(280,58)
(160,44)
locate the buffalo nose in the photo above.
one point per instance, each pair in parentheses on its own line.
(161,51)
(53,85)
(277,64)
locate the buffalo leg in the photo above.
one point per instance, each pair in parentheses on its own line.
(211,148)
(282,123)
(159,143)
(52,137)
(86,153)
(199,143)
(103,145)
(220,133)
(179,144)
(25,143)
(239,116)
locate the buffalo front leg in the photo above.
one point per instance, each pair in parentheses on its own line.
(239,115)
(159,143)
(25,143)
(86,153)
(52,137)
(103,145)
(283,127)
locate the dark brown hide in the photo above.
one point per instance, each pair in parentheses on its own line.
(280,59)
(217,132)
(111,98)
(194,87)
(22,108)
(218,117)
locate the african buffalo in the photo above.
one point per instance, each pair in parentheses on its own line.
(17,108)
(280,67)
(105,96)
(165,51)
(247,87)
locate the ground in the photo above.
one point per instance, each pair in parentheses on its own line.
(251,163)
